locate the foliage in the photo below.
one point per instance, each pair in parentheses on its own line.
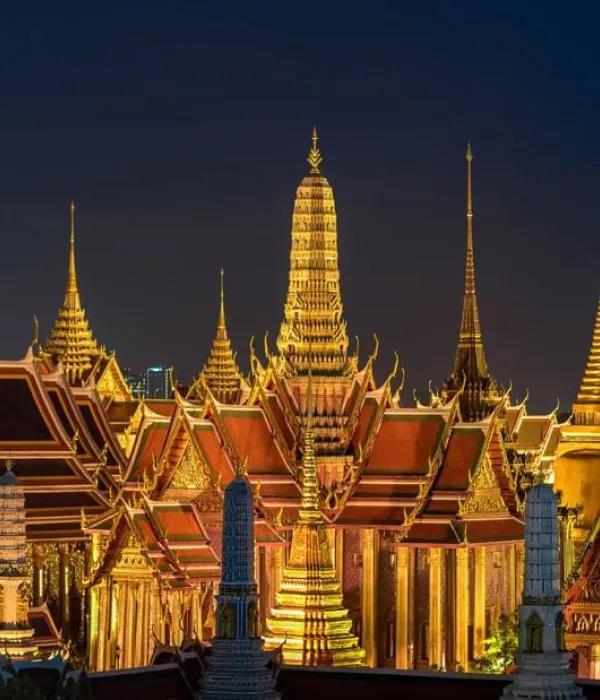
(19,688)
(500,647)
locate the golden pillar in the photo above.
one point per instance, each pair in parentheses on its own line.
(479,604)
(93,644)
(461,644)
(595,661)
(104,626)
(436,639)
(520,571)
(141,623)
(339,555)
(64,588)
(405,563)
(121,596)
(39,578)
(512,577)
(369,591)
(131,623)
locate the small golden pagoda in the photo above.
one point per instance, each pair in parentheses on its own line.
(470,377)
(221,374)
(71,341)
(309,618)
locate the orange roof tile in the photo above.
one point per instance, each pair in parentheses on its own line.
(366,415)
(254,441)
(405,442)
(151,441)
(209,444)
(462,454)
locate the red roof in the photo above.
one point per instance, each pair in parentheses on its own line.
(405,442)
(254,441)
(461,456)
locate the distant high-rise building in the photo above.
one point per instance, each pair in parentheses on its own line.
(158,382)
(136,381)
(153,383)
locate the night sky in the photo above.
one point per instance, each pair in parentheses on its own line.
(181,131)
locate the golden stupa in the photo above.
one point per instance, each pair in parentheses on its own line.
(309,618)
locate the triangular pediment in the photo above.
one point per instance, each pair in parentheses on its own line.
(192,472)
(111,383)
(484,496)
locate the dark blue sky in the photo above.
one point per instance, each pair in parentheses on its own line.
(181,129)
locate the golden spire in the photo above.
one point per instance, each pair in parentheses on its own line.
(470,366)
(314,282)
(314,155)
(587,407)
(72,298)
(221,326)
(71,341)
(221,372)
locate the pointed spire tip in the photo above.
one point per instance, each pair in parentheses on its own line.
(469,153)
(314,156)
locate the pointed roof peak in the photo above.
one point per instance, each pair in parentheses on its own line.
(72,296)
(71,341)
(314,155)
(588,397)
(470,375)
(221,373)
(221,323)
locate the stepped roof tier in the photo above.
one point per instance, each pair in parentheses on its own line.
(63,448)
(420,471)
(470,377)
(221,374)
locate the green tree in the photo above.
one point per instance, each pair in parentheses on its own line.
(500,647)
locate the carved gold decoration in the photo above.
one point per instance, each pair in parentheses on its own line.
(191,472)
(484,494)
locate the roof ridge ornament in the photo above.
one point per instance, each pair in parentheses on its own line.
(314,155)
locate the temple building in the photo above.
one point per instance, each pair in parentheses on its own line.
(412,511)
